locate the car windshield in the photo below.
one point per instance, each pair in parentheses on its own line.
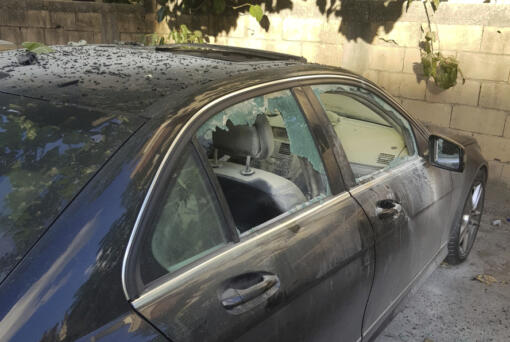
(48,153)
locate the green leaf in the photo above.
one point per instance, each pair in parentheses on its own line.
(430,36)
(37,48)
(184,30)
(447,72)
(161,14)
(427,46)
(256,12)
(435,4)
(218,6)
(429,65)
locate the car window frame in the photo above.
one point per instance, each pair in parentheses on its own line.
(321,145)
(417,129)
(131,281)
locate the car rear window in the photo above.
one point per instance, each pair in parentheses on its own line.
(48,152)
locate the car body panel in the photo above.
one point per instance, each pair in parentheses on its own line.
(323,259)
(407,243)
(70,281)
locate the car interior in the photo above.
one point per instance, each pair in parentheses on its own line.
(256,163)
(371,139)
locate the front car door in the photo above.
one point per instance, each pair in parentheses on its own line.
(406,199)
(249,233)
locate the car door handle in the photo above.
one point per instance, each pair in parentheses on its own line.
(235,296)
(388,209)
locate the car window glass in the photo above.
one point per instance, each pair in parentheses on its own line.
(374,136)
(188,223)
(265,159)
(48,153)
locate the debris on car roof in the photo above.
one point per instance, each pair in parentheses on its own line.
(28,58)
(114,77)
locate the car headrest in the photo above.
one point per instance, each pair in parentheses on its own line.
(244,140)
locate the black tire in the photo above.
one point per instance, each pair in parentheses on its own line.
(467,222)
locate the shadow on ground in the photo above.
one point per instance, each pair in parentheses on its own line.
(451,306)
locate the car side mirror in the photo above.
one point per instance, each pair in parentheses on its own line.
(446,153)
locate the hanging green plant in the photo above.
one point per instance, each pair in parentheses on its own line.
(444,70)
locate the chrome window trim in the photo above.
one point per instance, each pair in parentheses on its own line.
(156,293)
(384,174)
(178,139)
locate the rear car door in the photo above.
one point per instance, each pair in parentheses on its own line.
(406,199)
(249,234)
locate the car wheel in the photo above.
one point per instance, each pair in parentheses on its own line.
(467,223)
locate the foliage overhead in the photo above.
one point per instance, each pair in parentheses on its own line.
(217,7)
(181,35)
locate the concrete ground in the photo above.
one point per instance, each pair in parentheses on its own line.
(450,305)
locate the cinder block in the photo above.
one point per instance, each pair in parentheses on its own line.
(495,95)
(239,31)
(11,34)
(32,35)
(274,32)
(13,17)
(129,37)
(479,120)
(412,61)
(412,86)
(435,113)
(126,22)
(293,48)
(397,33)
(484,66)
(247,43)
(390,81)
(98,38)
(76,36)
(302,29)
(505,173)
(506,132)
(330,33)
(92,22)
(460,37)
(386,58)
(494,147)
(65,20)
(328,54)
(404,85)
(466,93)
(38,19)
(56,36)
(372,75)
(496,40)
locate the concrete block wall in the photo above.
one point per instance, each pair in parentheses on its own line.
(58,22)
(477,34)
(371,38)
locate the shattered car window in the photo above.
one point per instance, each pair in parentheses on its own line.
(48,153)
(265,158)
(374,136)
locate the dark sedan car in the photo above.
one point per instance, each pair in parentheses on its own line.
(204,193)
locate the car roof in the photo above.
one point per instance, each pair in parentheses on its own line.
(128,79)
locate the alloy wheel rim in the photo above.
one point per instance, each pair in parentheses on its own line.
(470,220)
